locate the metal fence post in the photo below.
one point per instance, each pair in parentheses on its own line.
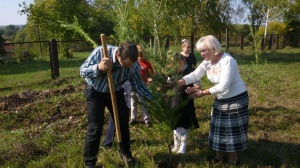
(54,59)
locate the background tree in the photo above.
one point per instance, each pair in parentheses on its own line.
(242,29)
(292,19)
(48,16)
(255,18)
(101,18)
(274,27)
(123,12)
(2,40)
(201,17)
(10,30)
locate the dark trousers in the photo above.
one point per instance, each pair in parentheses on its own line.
(187,111)
(110,133)
(96,103)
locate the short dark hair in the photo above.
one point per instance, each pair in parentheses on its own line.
(128,50)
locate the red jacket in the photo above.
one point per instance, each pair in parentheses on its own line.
(146,69)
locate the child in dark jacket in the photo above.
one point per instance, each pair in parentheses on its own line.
(187,115)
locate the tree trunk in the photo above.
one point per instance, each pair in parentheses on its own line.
(267,20)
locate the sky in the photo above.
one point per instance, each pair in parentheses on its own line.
(9,12)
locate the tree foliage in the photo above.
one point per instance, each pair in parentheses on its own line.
(11,30)
(2,50)
(145,18)
(48,14)
(273,28)
(292,19)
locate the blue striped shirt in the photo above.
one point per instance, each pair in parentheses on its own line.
(99,81)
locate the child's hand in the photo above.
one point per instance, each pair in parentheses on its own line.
(190,90)
(149,80)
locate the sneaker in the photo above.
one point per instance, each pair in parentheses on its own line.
(128,160)
(132,122)
(148,124)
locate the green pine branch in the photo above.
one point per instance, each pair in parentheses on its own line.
(77,28)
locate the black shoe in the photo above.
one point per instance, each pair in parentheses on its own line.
(148,124)
(128,160)
(108,146)
(132,122)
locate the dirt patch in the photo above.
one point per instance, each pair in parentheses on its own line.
(58,109)
(16,101)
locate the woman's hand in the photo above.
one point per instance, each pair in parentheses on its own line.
(197,93)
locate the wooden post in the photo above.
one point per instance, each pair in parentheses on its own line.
(262,43)
(54,59)
(242,42)
(270,41)
(277,43)
(284,40)
(227,39)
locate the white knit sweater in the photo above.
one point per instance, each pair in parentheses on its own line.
(224,75)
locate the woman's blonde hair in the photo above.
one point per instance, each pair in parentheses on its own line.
(209,42)
(140,50)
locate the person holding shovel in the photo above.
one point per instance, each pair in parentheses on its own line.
(123,64)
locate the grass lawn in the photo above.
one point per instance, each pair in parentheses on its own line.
(43,120)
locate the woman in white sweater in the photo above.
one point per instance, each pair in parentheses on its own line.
(229,115)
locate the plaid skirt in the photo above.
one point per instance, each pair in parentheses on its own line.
(229,124)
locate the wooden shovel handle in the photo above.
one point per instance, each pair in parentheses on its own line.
(112,91)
